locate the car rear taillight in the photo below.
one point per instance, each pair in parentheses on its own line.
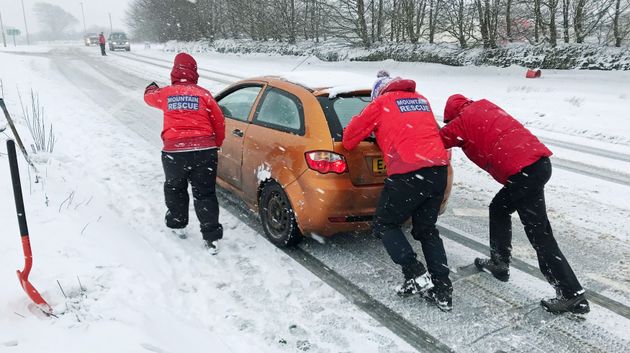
(326,162)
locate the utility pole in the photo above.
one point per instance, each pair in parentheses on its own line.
(4,39)
(83,14)
(28,42)
(110,23)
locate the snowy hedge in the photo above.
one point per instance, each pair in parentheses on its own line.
(574,56)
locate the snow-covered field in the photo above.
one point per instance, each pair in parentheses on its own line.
(96,216)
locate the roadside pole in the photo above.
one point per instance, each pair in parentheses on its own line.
(28,42)
(83,14)
(4,39)
(110,23)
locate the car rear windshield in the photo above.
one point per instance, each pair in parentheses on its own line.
(340,110)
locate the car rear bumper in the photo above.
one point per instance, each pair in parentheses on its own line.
(327,204)
(119,46)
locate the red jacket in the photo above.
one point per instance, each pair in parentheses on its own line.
(405,128)
(101,39)
(192,118)
(490,137)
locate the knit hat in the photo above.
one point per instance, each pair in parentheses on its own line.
(184,69)
(382,79)
(454,106)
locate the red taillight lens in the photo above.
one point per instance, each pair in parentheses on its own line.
(326,162)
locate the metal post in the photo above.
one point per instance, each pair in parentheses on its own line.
(28,42)
(4,39)
(110,23)
(83,14)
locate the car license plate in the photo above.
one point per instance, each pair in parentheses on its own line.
(378,165)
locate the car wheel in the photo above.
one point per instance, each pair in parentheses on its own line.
(277,216)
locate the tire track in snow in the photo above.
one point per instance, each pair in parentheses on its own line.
(212,78)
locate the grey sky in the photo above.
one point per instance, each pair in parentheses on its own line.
(96,12)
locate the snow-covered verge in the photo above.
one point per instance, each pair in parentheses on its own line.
(573,56)
(118,282)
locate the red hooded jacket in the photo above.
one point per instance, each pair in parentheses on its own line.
(192,118)
(405,129)
(101,39)
(490,137)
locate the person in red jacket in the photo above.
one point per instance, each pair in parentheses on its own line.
(101,43)
(500,145)
(194,129)
(417,169)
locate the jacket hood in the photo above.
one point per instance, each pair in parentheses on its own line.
(454,106)
(399,84)
(184,69)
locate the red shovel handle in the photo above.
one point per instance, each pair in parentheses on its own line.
(28,256)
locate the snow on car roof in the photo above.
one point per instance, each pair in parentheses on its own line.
(335,82)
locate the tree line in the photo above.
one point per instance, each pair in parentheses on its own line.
(369,22)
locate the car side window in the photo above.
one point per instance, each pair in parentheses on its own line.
(238,104)
(280,110)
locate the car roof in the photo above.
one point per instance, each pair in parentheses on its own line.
(323,83)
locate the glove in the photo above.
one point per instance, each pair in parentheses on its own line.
(151,87)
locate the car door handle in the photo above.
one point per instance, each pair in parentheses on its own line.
(237,132)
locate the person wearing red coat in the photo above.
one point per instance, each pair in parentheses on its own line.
(194,129)
(417,169)
(101,43)
(513,156)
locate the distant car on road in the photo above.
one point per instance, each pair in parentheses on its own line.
(90,39)
(118,40)
(283,155)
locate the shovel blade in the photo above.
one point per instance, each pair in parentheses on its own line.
(34,294)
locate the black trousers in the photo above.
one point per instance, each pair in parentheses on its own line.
(525,194)
(416,195)
(199,168)
(102,49)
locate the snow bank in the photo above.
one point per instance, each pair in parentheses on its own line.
(573,56)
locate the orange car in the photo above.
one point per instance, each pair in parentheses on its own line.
(283,156)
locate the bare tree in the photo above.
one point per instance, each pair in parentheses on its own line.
(434,13)
(508,20)
(349,21)
(565,19)
(54,18)
(552,5)
(621,23)
(587,15)
(488,11)
(457,18)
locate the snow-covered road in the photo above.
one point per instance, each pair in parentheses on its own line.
(107,154)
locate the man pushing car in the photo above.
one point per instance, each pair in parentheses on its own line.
(417,169)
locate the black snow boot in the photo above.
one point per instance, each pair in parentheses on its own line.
(559,305)
(499,269)
(442,297)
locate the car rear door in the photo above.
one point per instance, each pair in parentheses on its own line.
(237,105)
(274,143)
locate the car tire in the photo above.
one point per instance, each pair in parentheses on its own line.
(277,216)
(127,49)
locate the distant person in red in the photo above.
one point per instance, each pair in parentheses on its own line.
(194,129)
(417,172)
(101,43)
(500,145)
